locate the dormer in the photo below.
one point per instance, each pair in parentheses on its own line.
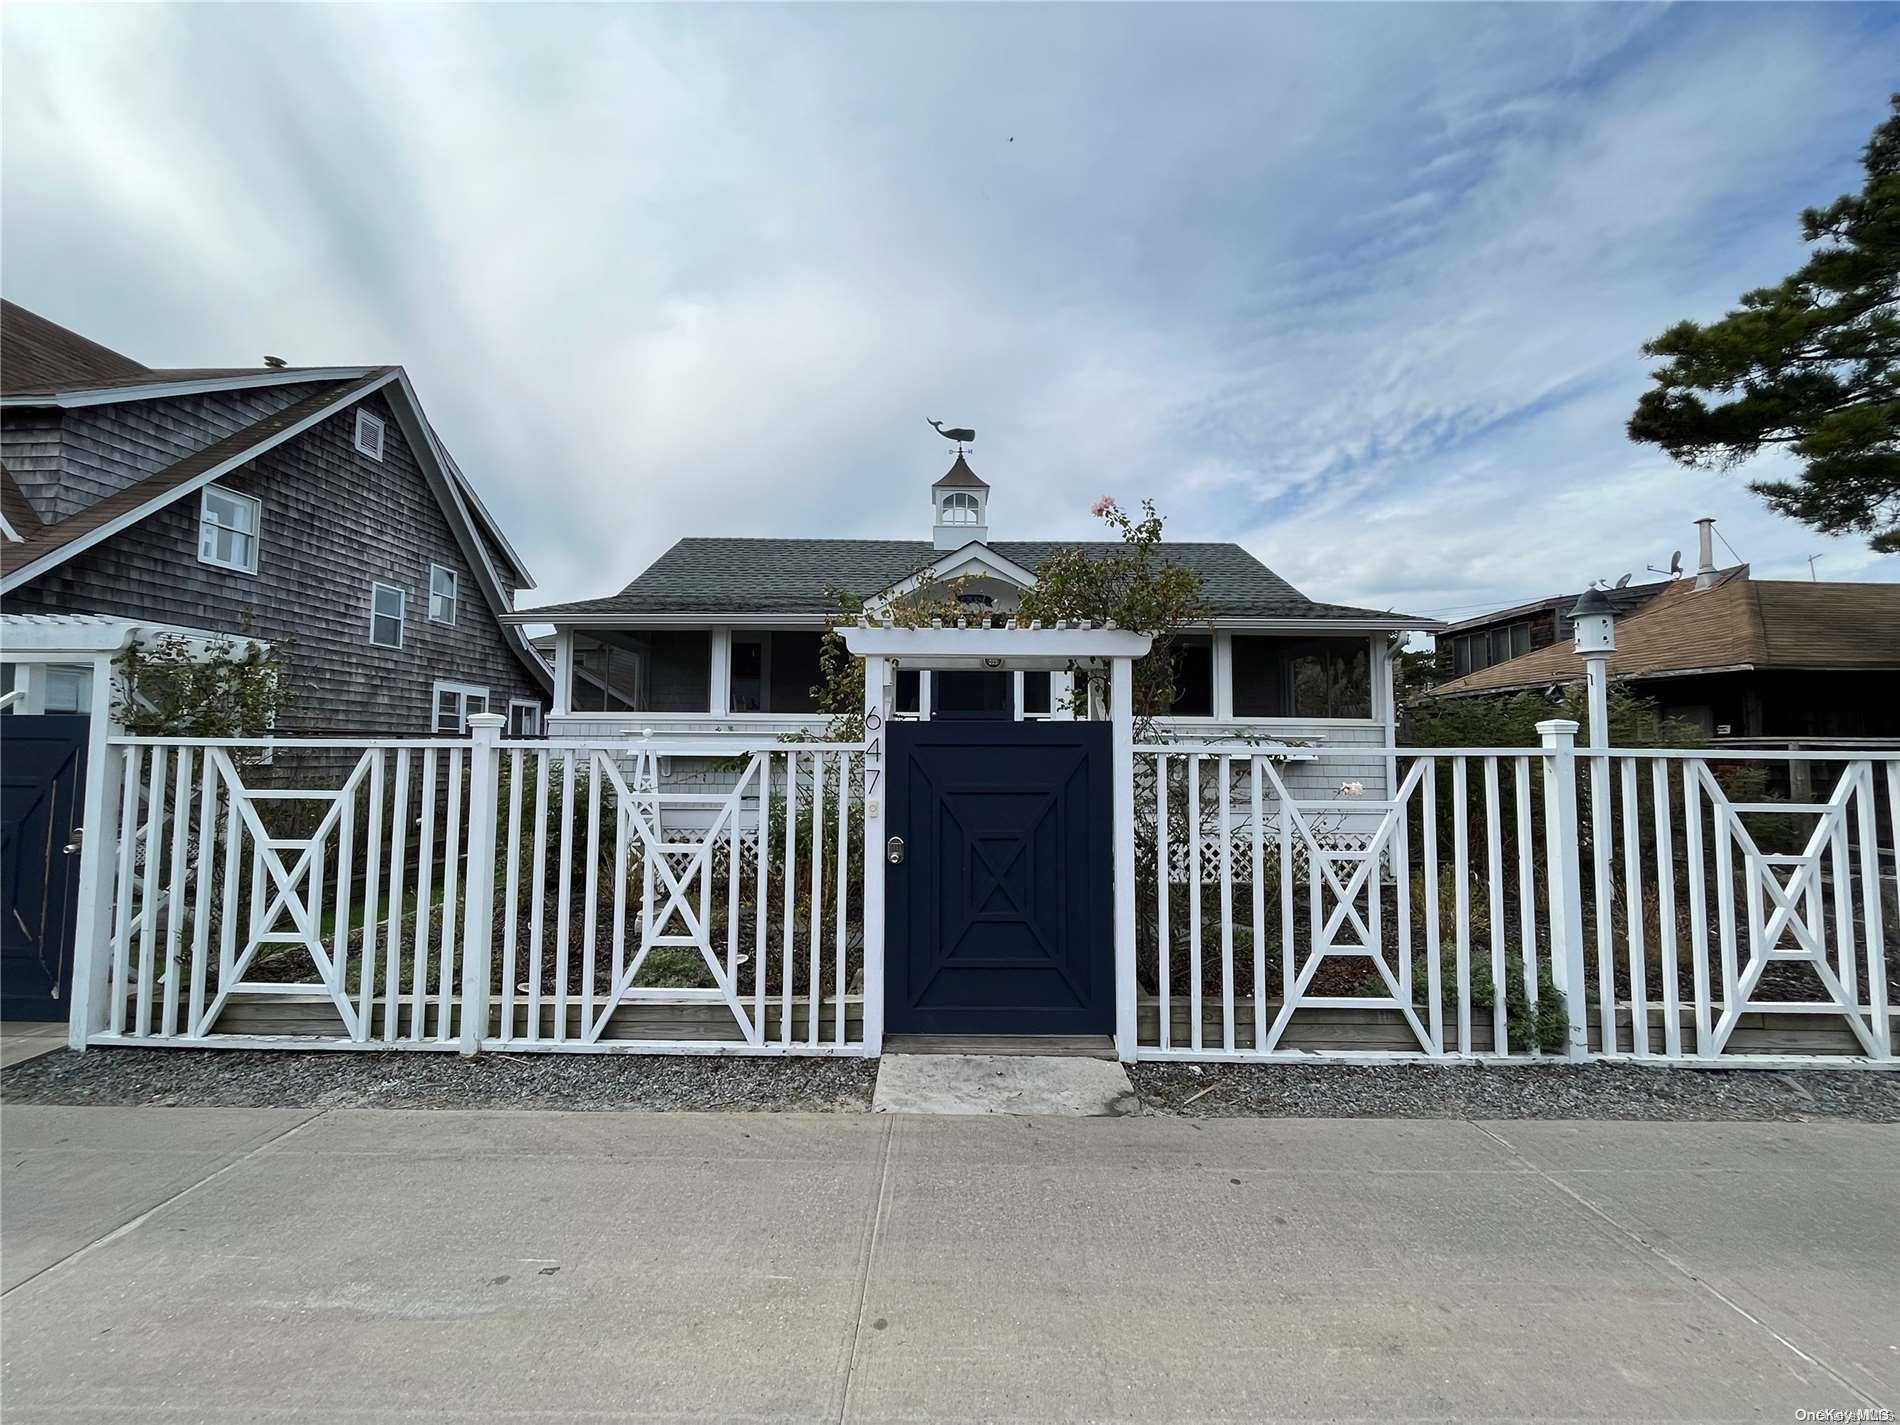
(959,507)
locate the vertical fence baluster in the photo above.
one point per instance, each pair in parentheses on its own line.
(1194,900)
(590,921)
(1434,953)
(179,862)
(1526,884)
(1698,902)
(1666,909)
(1225,767)
(538,893)
(813,973)
(1494,875)
(511,900)
(149,901)
(1881,1025)
(398,865)
(1461,895)
(788,942)
(372,887)
(734,867)
(128,873)
(233,888)
(1633,899)
(1724,829)
(452,843)
(762,851)
(1286,891)
(1602,842)
(843,855)
(1844,903)
(345,887)
(1163,932)
(623,829)
(425,885)
(1402,881)
(1256,809)
(564,902)
(201,912)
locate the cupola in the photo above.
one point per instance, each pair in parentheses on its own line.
(959,507)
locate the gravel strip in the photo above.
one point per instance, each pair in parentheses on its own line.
(288,1079)
(1525,1091)
(669,1082)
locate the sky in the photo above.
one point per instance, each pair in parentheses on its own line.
(1363,288)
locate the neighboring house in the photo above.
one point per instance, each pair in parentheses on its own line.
(1474,644)
(311,508)
(1744,659)
(719,638)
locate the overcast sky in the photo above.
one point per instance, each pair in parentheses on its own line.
(1361,287)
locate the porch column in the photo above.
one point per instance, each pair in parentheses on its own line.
(721,679)
(563,671)
(1121,700)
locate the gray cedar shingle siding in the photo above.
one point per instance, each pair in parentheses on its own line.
(333,521)
(793,575)
(98,450)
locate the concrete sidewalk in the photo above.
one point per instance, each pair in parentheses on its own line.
(240,1265)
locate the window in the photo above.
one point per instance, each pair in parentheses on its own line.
(910,691)
(775,672)
(1035,694)
(662,670)
(385,615)
(442,588)
(454,702)
(524,718)
(1302,677)
(369,434)
(959,509)
(228,529)
(1193,677)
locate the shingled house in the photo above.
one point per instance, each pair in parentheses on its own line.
(313,508)
(720,637)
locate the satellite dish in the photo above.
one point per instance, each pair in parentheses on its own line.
(1624,582)
(1674,569)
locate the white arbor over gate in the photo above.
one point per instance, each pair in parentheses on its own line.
(1012,646)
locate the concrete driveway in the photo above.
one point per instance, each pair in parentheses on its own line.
(242,1265)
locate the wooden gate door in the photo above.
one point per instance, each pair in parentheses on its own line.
(42,789)
(999,916)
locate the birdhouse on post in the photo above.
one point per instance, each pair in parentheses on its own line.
(1594,622)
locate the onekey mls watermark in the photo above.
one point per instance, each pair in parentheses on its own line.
(1860,1415)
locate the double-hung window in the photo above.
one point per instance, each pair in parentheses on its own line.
(453,704)
(524,718)
(228,529)
(385,615)
(442,594)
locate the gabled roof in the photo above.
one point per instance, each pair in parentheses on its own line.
(1736,623)
(50,545)
(792,577)
(42,359)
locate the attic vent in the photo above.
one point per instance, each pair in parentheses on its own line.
(369,435)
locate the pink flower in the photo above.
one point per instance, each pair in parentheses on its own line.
(1103,506)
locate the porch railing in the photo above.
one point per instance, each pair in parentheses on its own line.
(1670,906)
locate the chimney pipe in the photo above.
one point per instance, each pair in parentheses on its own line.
(1705,557)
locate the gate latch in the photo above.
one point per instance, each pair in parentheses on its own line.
(894,850)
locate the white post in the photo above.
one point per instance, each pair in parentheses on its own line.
(1223,668)
(1564,876)
(98,851)
(1121,701)
(721,680)
(1595,640)
(563,671)
(478,886)
(877,674)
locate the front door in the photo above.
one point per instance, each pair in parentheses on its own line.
(999,917)
(42,783)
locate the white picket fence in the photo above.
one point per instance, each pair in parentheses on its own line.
(571,896)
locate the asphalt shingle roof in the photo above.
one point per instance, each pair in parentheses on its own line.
(794,575)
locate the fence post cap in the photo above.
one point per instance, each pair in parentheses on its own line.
(485,722)
(1558,727)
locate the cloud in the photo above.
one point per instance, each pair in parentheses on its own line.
(1364,287)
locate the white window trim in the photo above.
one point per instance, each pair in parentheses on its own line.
(402,614)
(369,420)
(455,596)
(462,693)
(534,707)
(257,534)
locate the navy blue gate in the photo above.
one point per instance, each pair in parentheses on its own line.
(999,918)
(42,786)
